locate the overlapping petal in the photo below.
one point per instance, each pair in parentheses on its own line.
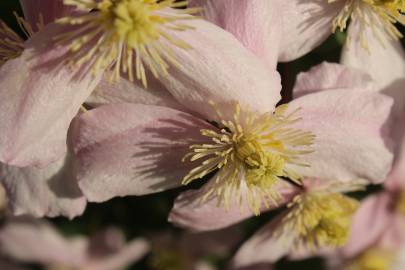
(327,76)
(132,149)
(49,191)
(219,68)
(189,212)
(39,96)
(352,134)
(256,24)
(372,50)
(306,24)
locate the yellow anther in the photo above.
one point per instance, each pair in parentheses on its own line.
(126,35)
(320,218)
(252,151)
(377,15)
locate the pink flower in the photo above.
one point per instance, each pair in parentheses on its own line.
(136,149)
(40,93)
(32,241)
(307,23)
(318,217)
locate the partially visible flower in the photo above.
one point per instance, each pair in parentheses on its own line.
(126,35)
(40,94)
(307,23)
(318,217)
(324,84)
(119,153)
(191,251)
(33,241)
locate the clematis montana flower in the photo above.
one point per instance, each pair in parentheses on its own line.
(306,23)
(318,216)
(33,241)
(250,144)
(40,92)
(378,236)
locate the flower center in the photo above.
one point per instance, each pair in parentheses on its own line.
(321,219)
(251,151)
(376,14)
(123,34)
(372,259)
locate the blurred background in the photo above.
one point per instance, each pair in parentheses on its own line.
(146,216)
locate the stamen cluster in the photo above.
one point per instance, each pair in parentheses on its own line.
(125,35)
(253,152)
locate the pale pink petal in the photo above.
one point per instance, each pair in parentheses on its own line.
(306,24)
(255,23)
(220,69)
(369,223)
(132,149)
(43,11)
(352,134)
(396,178)
(38,99)
(393,236)
(384,59)
(35,241)
(49,191)
(328,76)
(265,246)
(132,252)
(190,213)
(124,91)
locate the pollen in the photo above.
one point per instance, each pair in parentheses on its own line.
(373,259)
(320,219)
(127,36)
(379,15)
(251,152)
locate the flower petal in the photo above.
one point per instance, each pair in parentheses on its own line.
(220,69)
(49,191)
(130,253)
(306,24)
(132,149)
(266,245)
(369,223)
(125,91)
(384,59)
(35,241)
(351,128)
(38,99)
(43,11)
(328,76)
(190,213)
(256,24)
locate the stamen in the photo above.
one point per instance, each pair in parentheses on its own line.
(125,35)
(321,219)
(252,152)
(11,45)
(378,15)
